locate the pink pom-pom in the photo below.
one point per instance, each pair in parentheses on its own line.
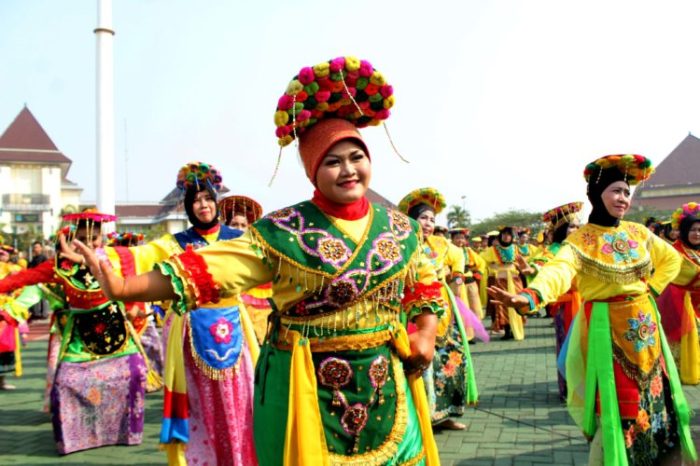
(382,114)
(352,91)
(337,64)
(285,102)
(366,69)
(282,131)
(322,96)
(306,75)
(386,91)
(303,115)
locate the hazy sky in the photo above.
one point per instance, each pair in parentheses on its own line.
(502,102)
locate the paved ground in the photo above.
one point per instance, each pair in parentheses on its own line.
(519,421)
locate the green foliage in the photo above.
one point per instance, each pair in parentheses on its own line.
(639,214)
(458,217)
(515,218)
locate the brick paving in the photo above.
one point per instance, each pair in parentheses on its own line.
(519,421)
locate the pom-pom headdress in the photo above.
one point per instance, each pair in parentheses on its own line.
(8,249)
(199,174)
(239,205)
(344,88)
(563,214)
(428,196)
(636,168)
(691,209)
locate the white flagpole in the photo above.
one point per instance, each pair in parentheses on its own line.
(105,107)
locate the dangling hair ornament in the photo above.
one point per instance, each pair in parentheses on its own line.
(344,87)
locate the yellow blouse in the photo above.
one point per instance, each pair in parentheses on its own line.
(447,257)
(690,271)
(608,261)
(243,263)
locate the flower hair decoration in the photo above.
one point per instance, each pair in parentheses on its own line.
(199,173)
(691,209)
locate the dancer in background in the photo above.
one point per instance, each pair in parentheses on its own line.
(623,386)
(450,381)
(679,304)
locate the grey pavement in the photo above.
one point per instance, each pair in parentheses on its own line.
(519,420)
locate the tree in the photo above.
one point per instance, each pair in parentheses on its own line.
(514,218)
(458,217)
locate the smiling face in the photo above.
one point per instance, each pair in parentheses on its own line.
(694,234)
(523,239)
(617,199)
(459,240)
(345,172)
(426,220)
(204,206)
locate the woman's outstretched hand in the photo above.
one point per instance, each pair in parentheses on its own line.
(112,284)
(66,251)
(501,297)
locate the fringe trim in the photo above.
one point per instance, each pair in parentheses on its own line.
(211,372)
(342,343)
(416,460)
(385,452)
(621,275)
(632,371)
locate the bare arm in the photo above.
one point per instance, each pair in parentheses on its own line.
(422,342)
(151,286)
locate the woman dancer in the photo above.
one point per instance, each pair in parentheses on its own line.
(623,387)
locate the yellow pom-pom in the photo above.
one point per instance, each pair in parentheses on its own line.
(322,69)
(389,102)
(322,106)
(294,87)
(345,101)
(374,122)
(281,118)
(352,63)
(377,79)
(285,140)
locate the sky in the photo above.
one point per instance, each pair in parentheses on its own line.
(499,104)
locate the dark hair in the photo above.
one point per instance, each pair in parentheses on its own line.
(39,243)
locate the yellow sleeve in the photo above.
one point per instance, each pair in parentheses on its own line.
(554,278)
(147,255)
(455,259)
(225,268)
(667,264)
(689,274)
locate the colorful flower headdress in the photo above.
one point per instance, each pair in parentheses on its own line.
(636,168)
(127,238)
(562,214)
(429,196)
(199,173)
(241,205)
(691,209)
(344,87)
(461,231)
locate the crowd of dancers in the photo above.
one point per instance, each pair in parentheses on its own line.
(337,331)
